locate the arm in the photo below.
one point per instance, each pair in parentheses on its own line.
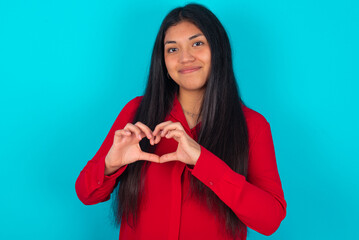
(92,185)
(259,202)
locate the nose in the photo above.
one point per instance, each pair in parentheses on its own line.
(186,56)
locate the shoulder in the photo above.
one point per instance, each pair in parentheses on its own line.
(135,102)
(128,111)
(132,105)
(256,122)
(253,117)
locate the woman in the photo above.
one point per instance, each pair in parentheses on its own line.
(208,167)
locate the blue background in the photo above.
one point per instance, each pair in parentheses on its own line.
(68,67)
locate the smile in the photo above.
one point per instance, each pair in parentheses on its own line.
(189,70)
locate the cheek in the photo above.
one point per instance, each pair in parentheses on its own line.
(205,56)
(170,64)
(207,61)
(208,57)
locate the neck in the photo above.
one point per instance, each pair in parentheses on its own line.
(191,101)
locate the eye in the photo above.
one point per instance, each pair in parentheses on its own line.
(171,50)
(199,43)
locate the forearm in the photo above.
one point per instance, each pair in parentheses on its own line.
(92,186)
(261,209)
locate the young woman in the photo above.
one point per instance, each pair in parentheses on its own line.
(190,160)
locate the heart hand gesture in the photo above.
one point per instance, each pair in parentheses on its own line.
(126,149)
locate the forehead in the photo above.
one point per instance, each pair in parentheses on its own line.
(181,31)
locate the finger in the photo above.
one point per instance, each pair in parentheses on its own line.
(171,127)
(159,127)
(134,129)
(146,130)
(176,134)
(157,139)
(122,132)
(168,157)
(158,130)
(149,157)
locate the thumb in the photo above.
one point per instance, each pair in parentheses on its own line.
(168,157)
(149,157)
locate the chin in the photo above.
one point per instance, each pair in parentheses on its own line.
(193,88)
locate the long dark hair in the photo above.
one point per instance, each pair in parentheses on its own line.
(223,127)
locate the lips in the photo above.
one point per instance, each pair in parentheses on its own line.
(188,70)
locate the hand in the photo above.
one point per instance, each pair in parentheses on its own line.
(188,150)
(126,149)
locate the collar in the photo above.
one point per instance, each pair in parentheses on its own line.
(178,114)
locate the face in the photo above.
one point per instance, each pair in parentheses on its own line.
(187,56)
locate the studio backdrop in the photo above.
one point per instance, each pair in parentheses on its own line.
(67,68)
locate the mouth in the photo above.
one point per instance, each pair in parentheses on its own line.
(189,70)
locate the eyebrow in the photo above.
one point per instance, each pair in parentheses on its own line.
(190,38)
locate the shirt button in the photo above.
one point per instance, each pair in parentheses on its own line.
(98,182)
(211,183)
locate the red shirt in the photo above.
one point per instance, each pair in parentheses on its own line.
(167,211)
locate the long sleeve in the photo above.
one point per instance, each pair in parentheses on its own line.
(92,186)
(258,201)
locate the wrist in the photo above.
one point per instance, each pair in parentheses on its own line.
(197,154)
(109,169)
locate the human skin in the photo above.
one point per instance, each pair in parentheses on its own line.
(188,61)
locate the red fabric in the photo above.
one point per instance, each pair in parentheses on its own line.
(168,211)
